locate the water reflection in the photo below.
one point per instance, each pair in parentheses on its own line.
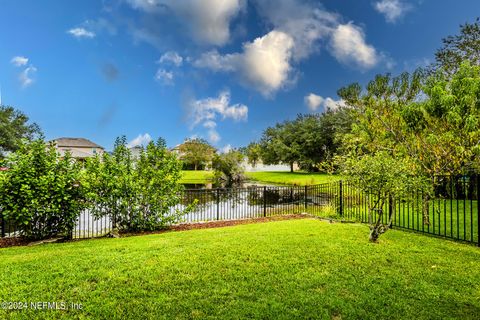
(247,200)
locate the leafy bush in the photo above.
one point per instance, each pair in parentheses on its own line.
(41,192)
(228,167)
(384,178)
(136,193)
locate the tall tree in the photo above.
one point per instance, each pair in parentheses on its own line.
(421,128)
(197,152)
(309,140)
(279,144)
(458,48)
(15,127)
(253,152)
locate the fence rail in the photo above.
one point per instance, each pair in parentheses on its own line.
(453,212)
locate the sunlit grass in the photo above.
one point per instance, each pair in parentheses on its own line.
(199,176)
(277,270)
(292,178)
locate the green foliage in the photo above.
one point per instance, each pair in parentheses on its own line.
(14,128)
(383,178)
(309,140)
(433,122)
(135,193)
(228,166)
(41,192)
(278,145)
(253,153)
(423,126)
(197,153)
(458,48)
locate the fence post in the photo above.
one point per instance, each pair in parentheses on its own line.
(305,197)
(390,210)
(3,225)
(218,204)
(341,198)
(478,210)
(264,201)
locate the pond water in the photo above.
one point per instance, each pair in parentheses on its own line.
(244,184)
(242,201)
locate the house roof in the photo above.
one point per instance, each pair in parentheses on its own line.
(76,142)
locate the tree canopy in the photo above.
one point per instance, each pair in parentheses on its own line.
(196,152)
(464,46)
(15,127)
(309,140)
(433,123)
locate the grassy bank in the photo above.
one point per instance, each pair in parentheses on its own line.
(292,178)
(277,270)
(200,176)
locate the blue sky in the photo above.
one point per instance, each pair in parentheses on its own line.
(222,70)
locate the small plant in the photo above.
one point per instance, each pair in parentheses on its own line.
(329,211)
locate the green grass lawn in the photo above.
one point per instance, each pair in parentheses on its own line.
(199,176)
(292,178)
(277,270)
(450,218)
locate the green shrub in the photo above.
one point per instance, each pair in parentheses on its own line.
(137,194)
(41,192)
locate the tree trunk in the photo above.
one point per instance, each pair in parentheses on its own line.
(195,164)
(374,234)
(291,167)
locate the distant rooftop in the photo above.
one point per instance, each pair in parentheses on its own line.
(76,142)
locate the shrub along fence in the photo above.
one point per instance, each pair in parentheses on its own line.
(453,212)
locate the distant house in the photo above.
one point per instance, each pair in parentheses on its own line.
(267,167)
(136,150)
(79,148)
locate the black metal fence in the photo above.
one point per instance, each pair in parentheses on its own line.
(452,213)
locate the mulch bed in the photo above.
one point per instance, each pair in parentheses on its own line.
(10,242)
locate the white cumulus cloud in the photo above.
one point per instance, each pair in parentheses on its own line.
(315,102)
(392,9)
(207,112)
(164,77)
(171,57)
(26,76)
(305,22)
(348,46)
(208,21)
(19,61)
(267,64)
(213,136)
(226,149)
(81,33)
(264,64)
(140,140)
